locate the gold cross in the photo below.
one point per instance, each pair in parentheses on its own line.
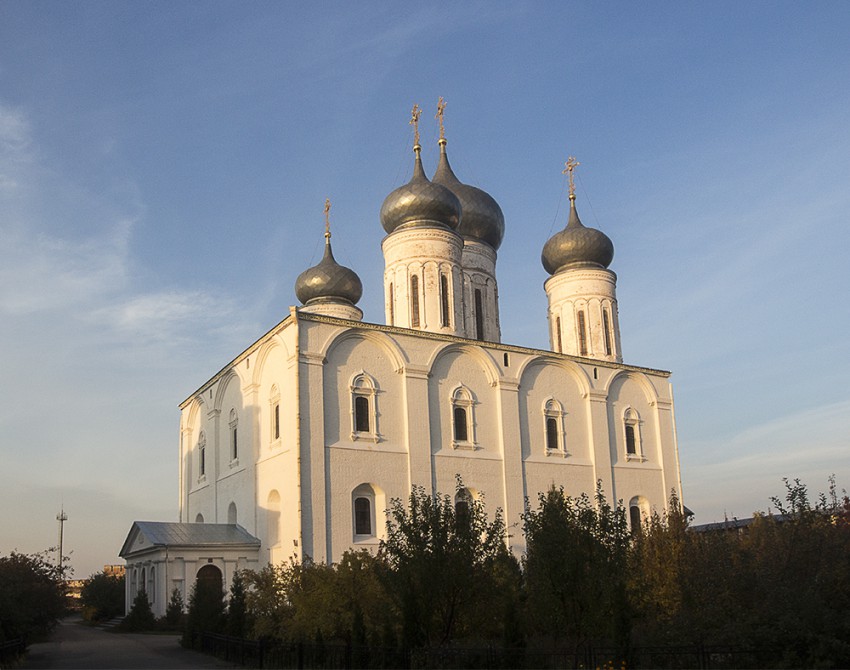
(569,166)
(415,113)
(327,218)
(441,109)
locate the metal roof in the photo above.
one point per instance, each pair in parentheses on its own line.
(170,534)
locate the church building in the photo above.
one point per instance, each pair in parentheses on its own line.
(296,447)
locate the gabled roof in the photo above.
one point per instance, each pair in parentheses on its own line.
(146,534)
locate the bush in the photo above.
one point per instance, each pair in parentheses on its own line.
(141,616)
(31,596)
(102,597)
(174,612)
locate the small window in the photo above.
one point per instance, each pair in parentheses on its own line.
(231,513)
(463,504)
(479,315)
(199,518)
(392,305)
(460,425)
(274,414)
(606,329)
(361,414)
(553,427)
(631,433)
(638,513)
(414,301)
(276,421)
(202,455)
(364,414)
(506,360)
(362,516)
(462,418)
(444,301)
(582,334)
(234,436)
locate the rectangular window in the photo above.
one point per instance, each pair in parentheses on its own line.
(235,450)
(606,327)
(361,414)
(277,421)
(392,305)
(634,518)
(552,434)
(362,516)
(558,334)
(414,301)
(444,301)
(203,461)
(479,315)
(461,427)
(582,334)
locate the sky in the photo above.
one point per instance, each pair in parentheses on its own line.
(164,167)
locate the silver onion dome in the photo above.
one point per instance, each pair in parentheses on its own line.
(420,203)
(328,281)
(481,216)
(577,245)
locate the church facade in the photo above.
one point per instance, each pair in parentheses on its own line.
(305,436)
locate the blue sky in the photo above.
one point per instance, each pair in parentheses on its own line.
(163,169)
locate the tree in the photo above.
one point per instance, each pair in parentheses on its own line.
(575,568)
(440,567)
(237,614)
(140,616)
(206,610)
(102,597)
(175,610)
(31,596)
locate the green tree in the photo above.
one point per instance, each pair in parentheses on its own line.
(440,567)
(31,596)
(206,610)
(141,616)
(175,610)
(237,613)
(575,568)
(103,597)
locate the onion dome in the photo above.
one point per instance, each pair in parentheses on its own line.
(576,246)
(420,203)
(481,216)
(328,281)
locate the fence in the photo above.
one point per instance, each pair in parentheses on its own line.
(264,654)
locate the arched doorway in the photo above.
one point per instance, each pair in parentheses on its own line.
(206,604)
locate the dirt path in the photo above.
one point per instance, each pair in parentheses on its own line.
(73,645)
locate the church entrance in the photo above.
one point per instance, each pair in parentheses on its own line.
(207,597)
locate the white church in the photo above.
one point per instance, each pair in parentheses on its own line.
(296,446)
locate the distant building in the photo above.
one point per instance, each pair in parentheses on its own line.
(297,446)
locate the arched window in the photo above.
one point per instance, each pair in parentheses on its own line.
(444,301)
(363,502)
(234,435)
(553,427)
(582,333)
(202,455)
(463,505)
(638,513)
(479,315)
(631,435)
(274,414)
(463,419)
(414,301)
(143,582)
(199,518)
(231,513)
(364,413)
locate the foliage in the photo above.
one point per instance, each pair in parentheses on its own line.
(31,595)
(575,568)
(140,617)
(237,614)
(174,611)
(102,597)
(442,568)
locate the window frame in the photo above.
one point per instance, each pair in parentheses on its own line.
(553,410)
(234,438)
(632,420)
(463,398)
(274,417)
(363,385)
(202,456)
(367,492)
